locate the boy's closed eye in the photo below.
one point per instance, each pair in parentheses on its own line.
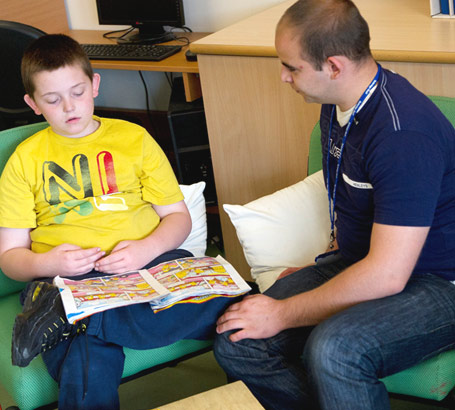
(52,101)
(78,92)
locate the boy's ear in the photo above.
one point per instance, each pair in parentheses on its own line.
(31,103)
(96,84)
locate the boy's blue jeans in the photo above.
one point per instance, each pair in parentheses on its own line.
(337,364)
(91,364)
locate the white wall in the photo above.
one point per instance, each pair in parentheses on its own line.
(124,89)
(200,15)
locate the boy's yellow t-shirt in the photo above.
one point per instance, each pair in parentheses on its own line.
(93,191)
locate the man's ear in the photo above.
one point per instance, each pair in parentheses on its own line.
(31,103)
(96,84)
(335,65)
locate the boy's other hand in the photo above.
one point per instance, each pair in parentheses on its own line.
(126,256)
(71,260)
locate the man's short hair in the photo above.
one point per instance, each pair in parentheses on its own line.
(49,53)
(329,28)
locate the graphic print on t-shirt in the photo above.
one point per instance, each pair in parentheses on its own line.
(68,191)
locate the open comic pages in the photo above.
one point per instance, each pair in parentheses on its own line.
(196,280)
(186,280)
(85,297)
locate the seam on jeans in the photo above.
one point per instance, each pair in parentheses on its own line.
(94,324)
(433,354)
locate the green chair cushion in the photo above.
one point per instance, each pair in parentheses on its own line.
(431,379)
(9,286)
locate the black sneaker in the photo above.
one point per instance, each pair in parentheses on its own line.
(42,323)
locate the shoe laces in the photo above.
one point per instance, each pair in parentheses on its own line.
(55,334)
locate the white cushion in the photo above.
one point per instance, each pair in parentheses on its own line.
(288,228)
(196,242)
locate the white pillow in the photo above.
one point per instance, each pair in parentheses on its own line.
(288,228)
(196,242)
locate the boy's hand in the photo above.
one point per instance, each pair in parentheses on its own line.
(126,256)
(71,260)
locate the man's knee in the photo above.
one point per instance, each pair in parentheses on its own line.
(234,356)
(226,351)
(335,348)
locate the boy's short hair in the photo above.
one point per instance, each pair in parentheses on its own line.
(49,53)
(328,28)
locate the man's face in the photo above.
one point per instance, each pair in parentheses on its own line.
(65,98)
(312,84)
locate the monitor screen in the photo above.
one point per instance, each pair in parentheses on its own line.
(148,15)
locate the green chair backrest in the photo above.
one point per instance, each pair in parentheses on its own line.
(445,104)
(9,140)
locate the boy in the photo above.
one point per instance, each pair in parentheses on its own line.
(84,197)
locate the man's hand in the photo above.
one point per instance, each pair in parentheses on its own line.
(256,317)
(126,256)
(70,260)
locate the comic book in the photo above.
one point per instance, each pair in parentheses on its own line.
(185,280)
(196,280)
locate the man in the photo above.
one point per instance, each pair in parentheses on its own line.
(382,299)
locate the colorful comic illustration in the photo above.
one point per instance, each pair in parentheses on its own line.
(85,297)
(189,273)
(196,280)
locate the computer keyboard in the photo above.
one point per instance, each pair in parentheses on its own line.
(143,52)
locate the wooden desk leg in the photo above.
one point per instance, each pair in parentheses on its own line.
(192,86)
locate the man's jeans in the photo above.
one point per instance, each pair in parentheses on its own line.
(337,364)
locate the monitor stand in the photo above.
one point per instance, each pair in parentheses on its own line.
(147,34)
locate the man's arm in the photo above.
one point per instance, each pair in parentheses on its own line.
(174,228)
(19,262)
(393,254)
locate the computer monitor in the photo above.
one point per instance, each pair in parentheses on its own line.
(149,16)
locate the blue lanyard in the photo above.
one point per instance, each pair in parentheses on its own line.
(332,195)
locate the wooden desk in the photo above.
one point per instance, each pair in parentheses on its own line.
(259,128)
(233,396)
(176,63)
(47,15)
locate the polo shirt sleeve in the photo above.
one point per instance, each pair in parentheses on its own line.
(406,169)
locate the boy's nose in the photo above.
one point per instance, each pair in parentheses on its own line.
(68,105)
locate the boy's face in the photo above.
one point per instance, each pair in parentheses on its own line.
(65,98)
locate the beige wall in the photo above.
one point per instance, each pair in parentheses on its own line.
(200,15)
